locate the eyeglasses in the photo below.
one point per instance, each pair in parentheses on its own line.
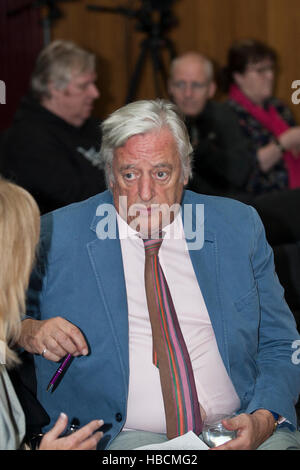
(261,69)
(195,86)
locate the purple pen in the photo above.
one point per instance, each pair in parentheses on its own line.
(58,372)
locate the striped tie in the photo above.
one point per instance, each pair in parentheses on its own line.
(170,353)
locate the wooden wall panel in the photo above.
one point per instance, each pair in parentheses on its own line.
(209,26)
(103,34)
(284,36)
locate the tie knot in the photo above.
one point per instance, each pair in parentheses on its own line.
(152,246)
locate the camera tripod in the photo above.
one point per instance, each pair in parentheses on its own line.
(151,46)
(53,14)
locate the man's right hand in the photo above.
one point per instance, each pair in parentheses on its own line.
(56,337)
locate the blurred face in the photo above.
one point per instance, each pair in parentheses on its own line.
(148,174)
(257,81)
(190,87)
(74,103)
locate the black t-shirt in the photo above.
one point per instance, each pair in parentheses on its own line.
(56,162)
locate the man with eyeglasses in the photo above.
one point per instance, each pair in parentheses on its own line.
(225,165)
(223,157)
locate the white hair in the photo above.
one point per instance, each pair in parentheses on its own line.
(142,117)
(57,63)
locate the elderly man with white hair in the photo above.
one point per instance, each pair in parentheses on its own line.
(171,315)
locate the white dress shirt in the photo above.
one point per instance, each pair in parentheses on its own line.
(216,393)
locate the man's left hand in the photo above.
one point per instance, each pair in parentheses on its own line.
(252,430)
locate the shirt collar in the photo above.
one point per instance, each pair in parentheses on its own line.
(173,231)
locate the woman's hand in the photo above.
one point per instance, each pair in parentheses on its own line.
(85,438)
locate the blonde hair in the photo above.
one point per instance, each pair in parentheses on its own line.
(19,235)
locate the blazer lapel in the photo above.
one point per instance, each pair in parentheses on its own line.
(205,263)
(106,259)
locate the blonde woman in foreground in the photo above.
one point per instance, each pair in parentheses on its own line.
(19,235)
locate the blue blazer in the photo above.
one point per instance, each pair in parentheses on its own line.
(80,278)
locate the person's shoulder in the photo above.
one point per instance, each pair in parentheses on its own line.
(219,106)
(66,231)
(229,217)
(93,121)
(283,109)
(234,106)
(92,124)
(75,216)
(32,126)
(219,207)
(213,201)
(274,101)
(222,111)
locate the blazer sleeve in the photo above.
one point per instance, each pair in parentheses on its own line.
(38,278)
(278,380)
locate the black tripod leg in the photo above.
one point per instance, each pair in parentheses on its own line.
(171,48)
(136,76)
(172,54)
(158,64)
(157,69)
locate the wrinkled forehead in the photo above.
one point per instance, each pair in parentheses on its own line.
(157,141)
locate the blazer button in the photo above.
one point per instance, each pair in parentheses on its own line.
(118,417)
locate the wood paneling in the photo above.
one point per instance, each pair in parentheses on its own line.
(209,26)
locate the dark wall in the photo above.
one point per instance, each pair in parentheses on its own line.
(21,38)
